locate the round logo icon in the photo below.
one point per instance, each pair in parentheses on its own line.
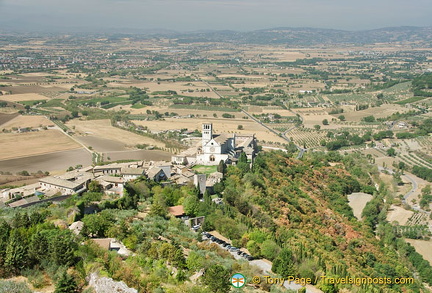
(238,280)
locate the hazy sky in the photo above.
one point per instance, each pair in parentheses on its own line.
(189,15)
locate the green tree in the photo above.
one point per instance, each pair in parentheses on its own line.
(368,119)
(38,246)
(94,186)
(16,251)
(283,264)
(243,164)
(97,225)
(269,249)
(426,190)
(62,248)
(4,239)
(341,117)
(191,205)
(253,248)
(242,158)
(21,220)
(222,167)
(391,152)
(156,209)
(66,284)
(195,261)
(216,277)
(325,122)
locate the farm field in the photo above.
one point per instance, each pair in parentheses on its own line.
(23,97)
(423,247)
(104,130)
(52,162)
(17,145)
(357,201)
(307,137)
(310,120)
(5,118)
(27,121)
(192,88)
(399,214)
(383,111)
(219,125)
(6,180)
(45,90)
(183,112)
(101,144)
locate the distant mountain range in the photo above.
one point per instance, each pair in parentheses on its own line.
(420,36)
(313,36)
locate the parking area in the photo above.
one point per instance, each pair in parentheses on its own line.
(235,251)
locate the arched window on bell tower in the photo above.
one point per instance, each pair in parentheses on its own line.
(207,132)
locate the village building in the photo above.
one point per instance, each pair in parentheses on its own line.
(112,183)
(129,174)
(19,192)
(70,183)
(111,169)
(112,244)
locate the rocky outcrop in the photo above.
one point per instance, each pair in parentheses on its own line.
(104,285)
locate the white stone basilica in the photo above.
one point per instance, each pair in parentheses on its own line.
(214,148)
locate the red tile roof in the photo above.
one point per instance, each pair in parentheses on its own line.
(176,211)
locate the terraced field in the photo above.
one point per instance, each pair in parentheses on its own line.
(308,137)
(417,219)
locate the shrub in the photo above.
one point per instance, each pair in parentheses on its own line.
(13,287)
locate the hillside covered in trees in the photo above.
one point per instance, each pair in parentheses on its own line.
(292,212)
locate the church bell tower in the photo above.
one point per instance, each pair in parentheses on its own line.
(207,132)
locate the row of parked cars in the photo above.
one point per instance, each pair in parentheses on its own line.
(227,246)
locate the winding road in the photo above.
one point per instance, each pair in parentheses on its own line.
(414,189)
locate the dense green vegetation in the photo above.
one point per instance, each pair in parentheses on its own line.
(423,172)
(344,139)
(422,84)
(291,212)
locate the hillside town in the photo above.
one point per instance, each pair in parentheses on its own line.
(212,150)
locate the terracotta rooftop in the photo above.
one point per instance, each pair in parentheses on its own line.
(176,211)
(104,243)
